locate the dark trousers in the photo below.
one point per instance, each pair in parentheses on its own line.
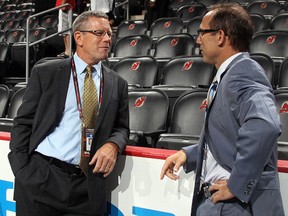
(44,189)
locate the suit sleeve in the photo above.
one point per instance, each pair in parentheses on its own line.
(252,105)
(120,132)
(23,124)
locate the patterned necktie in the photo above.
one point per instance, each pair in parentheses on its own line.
(212,92)
(90,111)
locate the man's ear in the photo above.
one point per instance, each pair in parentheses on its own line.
(78,38)
(221,38)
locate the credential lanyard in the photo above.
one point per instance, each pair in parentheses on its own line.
(77,92)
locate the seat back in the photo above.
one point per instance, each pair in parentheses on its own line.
(267,64)
(283,74)
(173,45)
(174,5)
(15,103)
(131,27)
(3,51)
(281,98)
(193,25)
(165,26)
(148,110)
(49,21)
(139,45)
(11,24)
(259,22)
(4,99)
(15,35)
(140,71)
(2,35)
(270,42)
(187,71)
(187,12)
(267,8)
(188,113)
(280,22)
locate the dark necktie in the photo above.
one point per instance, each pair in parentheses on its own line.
(90,111)
(212,92)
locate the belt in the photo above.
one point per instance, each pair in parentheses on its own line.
(70,169)
(205,190)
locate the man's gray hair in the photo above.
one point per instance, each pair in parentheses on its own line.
(80,21)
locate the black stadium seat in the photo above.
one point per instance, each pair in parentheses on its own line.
(165,26)
(268,65)
(187,121)
(148,109)
(173,45)
(16,100)
(4,99)
(188,12)
(138,71)
(139,45)
(282,106)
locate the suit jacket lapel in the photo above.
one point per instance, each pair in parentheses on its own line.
(107,94)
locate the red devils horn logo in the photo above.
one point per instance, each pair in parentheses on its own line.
(191,9)
(263,5)
(187,65)
(133,42)
(271,39)
(284,108)
(15,34)
(203,105)
(135,65)
(167,24)
(131,26)
(174,42)
(139,102)
(36,32)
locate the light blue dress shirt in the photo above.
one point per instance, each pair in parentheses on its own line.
(64,143)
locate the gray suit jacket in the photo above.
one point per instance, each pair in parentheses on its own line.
(241,130)
(42,108)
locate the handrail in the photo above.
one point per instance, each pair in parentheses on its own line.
(127,8)
(47,37)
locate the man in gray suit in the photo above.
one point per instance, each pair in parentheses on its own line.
(51,127)
(236,158)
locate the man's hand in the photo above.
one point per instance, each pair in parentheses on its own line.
(222,191)
(105,159)
(172,164)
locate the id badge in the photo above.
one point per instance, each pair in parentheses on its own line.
(88,135)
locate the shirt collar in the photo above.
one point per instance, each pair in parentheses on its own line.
(224,66)
(81,65)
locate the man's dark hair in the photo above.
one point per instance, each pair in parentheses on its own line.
(235,22)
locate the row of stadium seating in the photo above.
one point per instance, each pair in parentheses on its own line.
(155,121)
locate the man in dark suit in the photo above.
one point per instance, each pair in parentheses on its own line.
(236,158)
(48,130)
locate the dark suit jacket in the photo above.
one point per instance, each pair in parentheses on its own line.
(42,109)
(241,129)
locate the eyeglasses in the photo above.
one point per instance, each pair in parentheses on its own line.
(204,31)
(99,33)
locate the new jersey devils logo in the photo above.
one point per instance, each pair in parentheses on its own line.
(167,24)
(139,102)
(284,108)
(135,65)
(271,39)
(203,105)
(187,65)
(131,26)
(174,42)
(133,43)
